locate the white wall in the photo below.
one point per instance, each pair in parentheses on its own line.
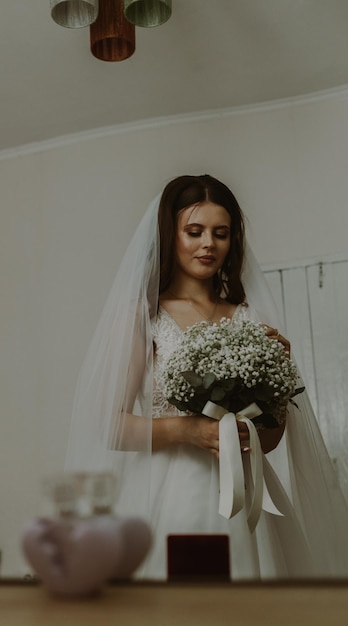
(67,212)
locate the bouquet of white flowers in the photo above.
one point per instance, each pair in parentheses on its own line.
(231,366)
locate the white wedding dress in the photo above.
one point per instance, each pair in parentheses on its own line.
(177,490)
(185,495)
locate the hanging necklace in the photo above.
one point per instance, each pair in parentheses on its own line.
(208,319)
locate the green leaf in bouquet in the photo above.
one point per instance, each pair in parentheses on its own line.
(217,394)
(196,404)
(245,397)
(201,391)
(264,393)
(297,391)
(229,384)
(193,379)
(266,420)
(208,380)
(182,406)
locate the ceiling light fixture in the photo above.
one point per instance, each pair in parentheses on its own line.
(112,22)
(74,13)
(147,13)
(112,36)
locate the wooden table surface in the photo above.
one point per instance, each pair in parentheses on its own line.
(180,604)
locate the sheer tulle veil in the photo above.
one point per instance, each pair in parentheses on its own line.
(111,420)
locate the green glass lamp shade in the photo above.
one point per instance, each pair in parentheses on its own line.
(147,13)
(74,13)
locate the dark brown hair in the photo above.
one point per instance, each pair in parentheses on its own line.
(186,191)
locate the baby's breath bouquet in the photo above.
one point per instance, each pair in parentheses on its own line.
(232,366)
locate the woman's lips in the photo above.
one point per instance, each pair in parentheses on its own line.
(206,260)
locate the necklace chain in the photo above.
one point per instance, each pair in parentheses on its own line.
(209,318)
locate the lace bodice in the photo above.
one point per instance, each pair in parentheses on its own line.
(167,335)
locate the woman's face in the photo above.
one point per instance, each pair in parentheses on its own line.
(202,239)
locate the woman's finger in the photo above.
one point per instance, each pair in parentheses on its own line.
(273,333)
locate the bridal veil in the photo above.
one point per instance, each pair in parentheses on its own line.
(111,421)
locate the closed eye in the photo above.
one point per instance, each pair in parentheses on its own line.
(222,233)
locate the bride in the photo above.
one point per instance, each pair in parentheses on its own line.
(188,263)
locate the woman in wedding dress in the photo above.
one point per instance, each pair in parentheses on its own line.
(188,263)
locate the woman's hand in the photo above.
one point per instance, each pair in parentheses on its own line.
(196,430)
(203,432)
(273,333)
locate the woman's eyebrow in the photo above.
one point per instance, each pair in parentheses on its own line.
(196,224)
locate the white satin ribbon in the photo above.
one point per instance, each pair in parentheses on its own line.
(232,482)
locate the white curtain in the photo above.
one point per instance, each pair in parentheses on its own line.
(312,298)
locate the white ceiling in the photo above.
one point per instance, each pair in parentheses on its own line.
(211,54)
